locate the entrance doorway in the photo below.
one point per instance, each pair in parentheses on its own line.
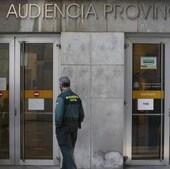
(147,101)
(27,100)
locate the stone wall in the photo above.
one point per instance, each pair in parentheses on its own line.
(95,64)
(102,16)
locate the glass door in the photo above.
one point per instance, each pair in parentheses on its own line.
(147,101)
(146,111)
(6,100)
(35,98)
(27,97)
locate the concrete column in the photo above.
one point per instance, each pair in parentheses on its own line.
(95,64)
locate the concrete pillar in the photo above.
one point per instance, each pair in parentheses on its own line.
(95,64)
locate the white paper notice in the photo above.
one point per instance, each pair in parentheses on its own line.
(35,104)
(2,83)
(145,104)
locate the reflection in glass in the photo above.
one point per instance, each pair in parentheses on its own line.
(146,67)
(38,133)
(36,124)
(148,102)
(146,137)
(4,101)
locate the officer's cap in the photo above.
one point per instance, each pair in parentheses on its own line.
(64,81)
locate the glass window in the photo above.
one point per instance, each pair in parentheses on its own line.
(36,101)
(148,101)
(4,101)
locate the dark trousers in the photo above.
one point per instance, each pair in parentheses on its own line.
(67,136)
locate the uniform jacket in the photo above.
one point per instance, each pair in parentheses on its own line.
(68,106)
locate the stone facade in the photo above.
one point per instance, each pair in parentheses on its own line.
(85,16)
(92,55)
(95,63)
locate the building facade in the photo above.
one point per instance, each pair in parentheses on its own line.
(116,54)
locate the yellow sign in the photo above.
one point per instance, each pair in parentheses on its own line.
(148,94)
(47,94)
(4,94)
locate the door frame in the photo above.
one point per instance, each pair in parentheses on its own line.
(147,38)
(14,99)
(10,41)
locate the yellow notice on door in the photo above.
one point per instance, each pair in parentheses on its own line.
(147,94)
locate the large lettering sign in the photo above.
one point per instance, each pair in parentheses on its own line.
(48,11)
(84,11)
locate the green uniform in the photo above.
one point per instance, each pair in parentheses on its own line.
(69,114)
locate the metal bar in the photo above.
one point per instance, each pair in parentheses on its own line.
(3,113)
(162,88)
(147,114)
(22,97)
(48,113)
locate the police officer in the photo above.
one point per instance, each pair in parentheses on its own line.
(69,114)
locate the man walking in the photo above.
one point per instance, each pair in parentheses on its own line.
(69,114)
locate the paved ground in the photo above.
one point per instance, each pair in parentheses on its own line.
(147,167)
(54,167)
(29,167)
